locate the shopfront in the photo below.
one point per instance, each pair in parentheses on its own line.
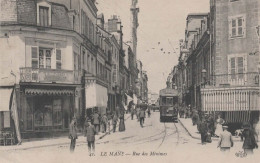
(46,111)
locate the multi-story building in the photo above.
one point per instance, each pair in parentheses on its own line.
(41,60)
(222,75)
(139,81)
(234,85)
(114,27)
(145,87)
(186,68)
(152,97)
(131,65)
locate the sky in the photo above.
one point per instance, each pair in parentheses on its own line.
(161,26)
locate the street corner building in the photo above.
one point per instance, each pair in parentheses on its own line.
(40,60)
(60,59)
(218,69)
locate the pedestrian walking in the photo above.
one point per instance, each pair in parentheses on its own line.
(256,128)
(203,131)
(96,121)
(132,111)
(90,132)
(149,112)
(211,126)
(73,134)
(138,113)
(219,123)
(225,140)
(249,140)
(114,122)
(121,122)
(195,118)
(104,121)
(109,118)
(142,117)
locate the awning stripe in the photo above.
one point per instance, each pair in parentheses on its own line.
(30,91)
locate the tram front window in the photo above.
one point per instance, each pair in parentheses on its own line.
(166,101)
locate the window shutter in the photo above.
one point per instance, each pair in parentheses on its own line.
(240,65)
(245,64)
(230,28)
(35,57)
(244,26)
(58,59)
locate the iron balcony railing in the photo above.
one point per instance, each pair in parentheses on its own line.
(39,75)
(238,79)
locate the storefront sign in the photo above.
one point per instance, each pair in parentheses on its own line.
(47,75)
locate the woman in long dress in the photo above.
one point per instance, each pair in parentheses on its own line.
(122,122)
(219,129)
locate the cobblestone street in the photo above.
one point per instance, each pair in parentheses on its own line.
(155,142)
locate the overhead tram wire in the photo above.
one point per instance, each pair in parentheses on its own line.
(116,8)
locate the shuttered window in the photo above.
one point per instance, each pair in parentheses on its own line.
(237,26)
(237,66)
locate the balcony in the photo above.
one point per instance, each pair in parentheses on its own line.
(37,75)
(239,79)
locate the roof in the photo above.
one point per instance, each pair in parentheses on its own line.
(168,92)
(196,15)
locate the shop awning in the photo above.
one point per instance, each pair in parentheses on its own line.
(5,95)
(230,99)
(31,91)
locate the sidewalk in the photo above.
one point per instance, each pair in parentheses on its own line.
(193,132)
(53,141)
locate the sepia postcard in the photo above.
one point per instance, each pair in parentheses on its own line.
(129,81)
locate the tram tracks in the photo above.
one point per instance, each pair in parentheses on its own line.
(166,135)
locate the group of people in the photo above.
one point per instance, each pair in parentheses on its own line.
(247,136)
(95,124)
(208,128)
(140,113)
(184,111)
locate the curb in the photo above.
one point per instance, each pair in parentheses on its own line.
(51,145)
(188,131)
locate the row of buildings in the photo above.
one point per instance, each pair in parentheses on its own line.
(218,67)
(60,59)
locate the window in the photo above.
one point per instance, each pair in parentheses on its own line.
(237,27)
(58,59)
(237,66)
(44,14)
(44,58)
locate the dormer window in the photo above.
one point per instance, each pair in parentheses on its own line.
(43,14)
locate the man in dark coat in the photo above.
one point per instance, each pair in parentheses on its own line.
(249,139)
(73,134)
(90,134)
(132,111)
(114,121)
(96,121)
(104,123)
(142,116)
(203,131)
(211,125)
(195,118)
